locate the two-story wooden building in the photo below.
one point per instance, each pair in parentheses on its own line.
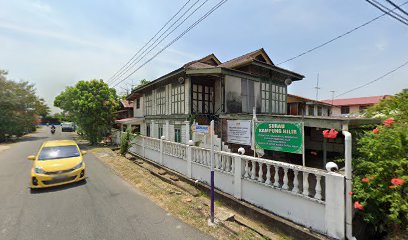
(205,89)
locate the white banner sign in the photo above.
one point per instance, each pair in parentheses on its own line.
(239,131)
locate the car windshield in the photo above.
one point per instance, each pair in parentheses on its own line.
(49,153)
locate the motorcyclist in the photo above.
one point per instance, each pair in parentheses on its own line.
(52,126)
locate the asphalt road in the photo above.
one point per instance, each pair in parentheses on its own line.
(105,207)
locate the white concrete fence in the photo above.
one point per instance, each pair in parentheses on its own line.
(307,196)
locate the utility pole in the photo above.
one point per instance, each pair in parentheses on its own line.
(332,91)
(317,87)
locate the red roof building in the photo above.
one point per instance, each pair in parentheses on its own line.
(353,106)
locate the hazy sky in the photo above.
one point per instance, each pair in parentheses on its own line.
(57,43)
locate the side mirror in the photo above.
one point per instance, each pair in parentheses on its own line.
(31,157)
(83,152)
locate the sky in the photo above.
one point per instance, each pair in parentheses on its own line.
(54,44)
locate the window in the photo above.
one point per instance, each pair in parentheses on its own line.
(203,99)
(138,103)
(248,96)
(177,134)
(148,130)
(279,99)
(136,129)
(363,108)
(48,153)
(310,111)
(161,101)
(148,103)
(345,109)
(177,98)
(273,98)
(265,96)
(319,111)
(160,132)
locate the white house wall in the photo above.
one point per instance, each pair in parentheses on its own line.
(138,112)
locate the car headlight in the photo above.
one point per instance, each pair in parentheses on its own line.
(39,170)
(78,166)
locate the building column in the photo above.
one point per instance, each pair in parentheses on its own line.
(167,130)
(187,135)
(187,100)
(152,130)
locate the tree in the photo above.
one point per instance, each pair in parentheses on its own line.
(91,105)
(142,83)
(381,169)
(395,107)
(20,107)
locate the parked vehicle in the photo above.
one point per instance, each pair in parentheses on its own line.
(58,162)
(67,127)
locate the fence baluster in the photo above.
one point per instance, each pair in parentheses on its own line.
(268,174)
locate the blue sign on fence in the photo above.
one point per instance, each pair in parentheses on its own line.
(201,129)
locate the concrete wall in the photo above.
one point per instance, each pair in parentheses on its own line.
(301,199)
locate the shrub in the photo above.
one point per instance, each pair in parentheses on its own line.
(380,178)
(125,142)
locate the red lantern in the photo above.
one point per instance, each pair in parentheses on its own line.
(332,133)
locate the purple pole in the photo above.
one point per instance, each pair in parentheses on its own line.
(212,169)
(212,196)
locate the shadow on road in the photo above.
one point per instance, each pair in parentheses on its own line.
(25,139)
(58,188)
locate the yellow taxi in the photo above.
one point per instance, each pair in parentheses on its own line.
(58,162)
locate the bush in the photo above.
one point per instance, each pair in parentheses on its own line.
(126,141)
(380,176)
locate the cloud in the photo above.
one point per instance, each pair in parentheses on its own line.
(40,6)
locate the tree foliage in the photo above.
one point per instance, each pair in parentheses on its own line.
(90,104)
(381,169)
(20,107)
(395,107)
(142,83)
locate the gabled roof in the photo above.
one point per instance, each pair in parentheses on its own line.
(126,104)
(208,61)
(257,55)
(356,101)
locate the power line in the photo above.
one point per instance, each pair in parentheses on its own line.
(396,6)
(395,13)
(141,56)
(375,80)
(336,38)
(388,13)
(115,75)
(219,4)
(155,43)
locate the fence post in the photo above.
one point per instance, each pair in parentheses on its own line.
(189,158)
(161,149)
(237,177)
(335,205)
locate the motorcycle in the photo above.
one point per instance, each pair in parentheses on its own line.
(52,130)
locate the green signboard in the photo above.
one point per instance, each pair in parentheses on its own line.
(279,136)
